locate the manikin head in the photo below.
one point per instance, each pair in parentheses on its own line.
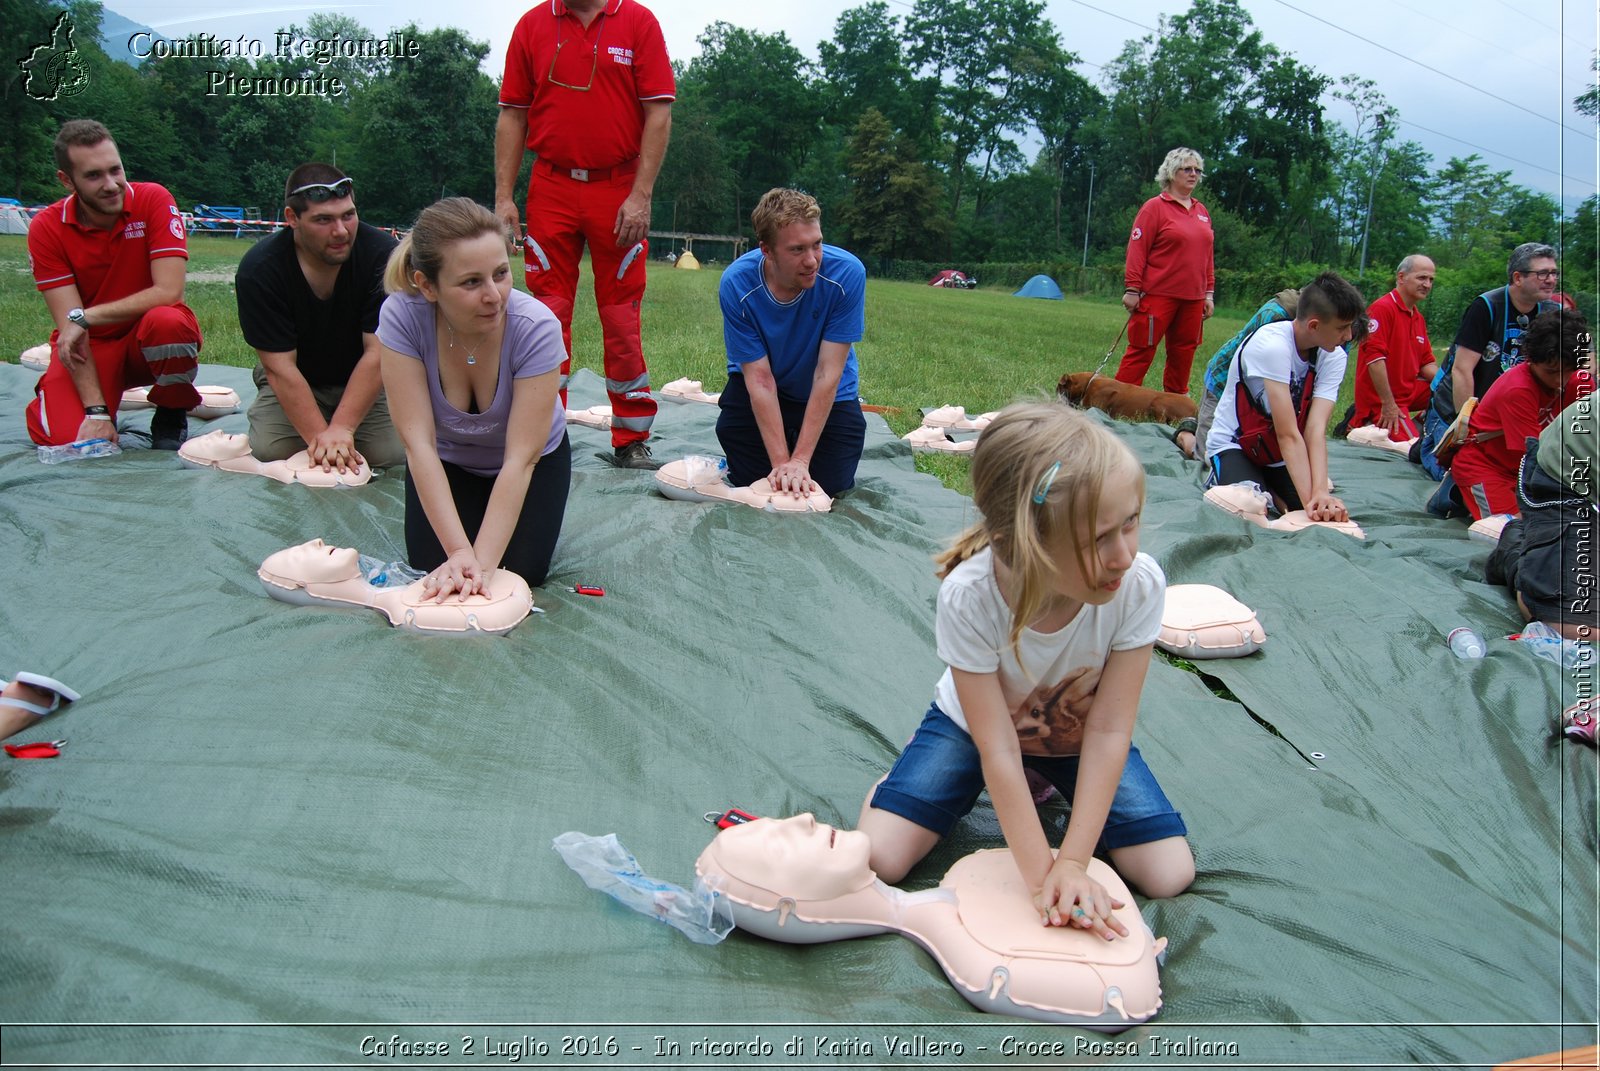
(319,206)
(798,858)
(315,562)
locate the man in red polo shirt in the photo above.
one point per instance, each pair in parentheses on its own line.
(110,259)
(1395,367)
(588,89)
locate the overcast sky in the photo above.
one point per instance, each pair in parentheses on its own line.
(1486,76)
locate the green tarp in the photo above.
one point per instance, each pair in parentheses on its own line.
(285,835)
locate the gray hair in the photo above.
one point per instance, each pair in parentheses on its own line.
(1409,264)
(1525,254)
(1175,159)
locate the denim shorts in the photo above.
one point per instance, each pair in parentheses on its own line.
(939,775)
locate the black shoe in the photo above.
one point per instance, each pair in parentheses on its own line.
(634,456)
(1341,430)
(168,428)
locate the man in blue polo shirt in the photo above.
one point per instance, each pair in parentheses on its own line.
(791,311)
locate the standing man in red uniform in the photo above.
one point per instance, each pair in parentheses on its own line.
(1171,278)
(1394,371)
(110,259)
(588,89)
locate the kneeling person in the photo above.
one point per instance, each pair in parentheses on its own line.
(308,303)
(1518,407)
(109,259)
(791,312)
(1546,555)
(1271,422)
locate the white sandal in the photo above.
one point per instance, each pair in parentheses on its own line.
(60,693)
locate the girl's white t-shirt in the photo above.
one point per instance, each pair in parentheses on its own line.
(973,628)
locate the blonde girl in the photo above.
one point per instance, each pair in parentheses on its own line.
(471,368)
(1045,621)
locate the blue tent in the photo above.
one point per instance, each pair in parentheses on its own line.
(1040,286)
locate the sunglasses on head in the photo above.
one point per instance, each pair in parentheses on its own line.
(318,192)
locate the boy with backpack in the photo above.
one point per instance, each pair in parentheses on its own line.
(1272,416)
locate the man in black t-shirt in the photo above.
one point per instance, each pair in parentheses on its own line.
(1489,341)
(308,303)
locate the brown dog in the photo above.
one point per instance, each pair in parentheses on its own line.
(1124,400)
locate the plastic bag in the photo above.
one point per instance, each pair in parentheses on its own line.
(701,469)
(388,574)
(605,865)
(1548,644)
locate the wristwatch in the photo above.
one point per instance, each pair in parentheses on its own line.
(79,317)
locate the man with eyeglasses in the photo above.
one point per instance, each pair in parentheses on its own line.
(308,298)
(110,259)
(588,88)
(1488,342)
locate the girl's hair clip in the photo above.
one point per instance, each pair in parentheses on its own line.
(1042,489)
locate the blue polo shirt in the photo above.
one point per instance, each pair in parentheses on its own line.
(755,324)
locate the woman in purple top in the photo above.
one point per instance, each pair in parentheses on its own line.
(470,367)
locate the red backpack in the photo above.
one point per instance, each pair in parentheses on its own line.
(1257,438)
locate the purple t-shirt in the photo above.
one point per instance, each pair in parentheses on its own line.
(531,347)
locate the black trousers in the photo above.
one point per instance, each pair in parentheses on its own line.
(533,541)
(839,446)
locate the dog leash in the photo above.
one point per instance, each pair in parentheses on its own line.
(1105,359)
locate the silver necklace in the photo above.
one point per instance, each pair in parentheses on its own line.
(472,356)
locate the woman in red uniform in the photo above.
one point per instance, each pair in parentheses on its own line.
(1170,276)
(1520,405)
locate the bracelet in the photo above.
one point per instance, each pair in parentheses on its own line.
(98,411)
(1131,290)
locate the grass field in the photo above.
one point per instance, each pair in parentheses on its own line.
(924,346)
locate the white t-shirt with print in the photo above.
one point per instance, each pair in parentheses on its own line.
(973,629)
(1271,354)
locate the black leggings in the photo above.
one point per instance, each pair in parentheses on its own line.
(533,541)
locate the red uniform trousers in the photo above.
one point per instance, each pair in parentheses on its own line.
(1181,322)
(1486,488)
(563,215)
(160,352)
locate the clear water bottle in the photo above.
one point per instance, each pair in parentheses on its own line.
(1466,644)
(78,451)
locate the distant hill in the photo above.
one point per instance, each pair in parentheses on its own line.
(115,31)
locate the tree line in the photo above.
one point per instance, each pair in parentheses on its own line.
(958,134)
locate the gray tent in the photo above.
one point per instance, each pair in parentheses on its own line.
(13,220)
